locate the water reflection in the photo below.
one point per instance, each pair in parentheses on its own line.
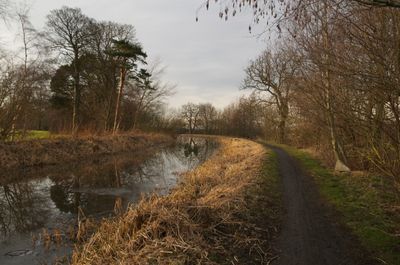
(191,148)
(20,208)
(51,197)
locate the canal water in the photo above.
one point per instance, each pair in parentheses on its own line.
(39,208)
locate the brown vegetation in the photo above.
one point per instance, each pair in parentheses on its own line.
(205,220)
(68,149)
(329,83)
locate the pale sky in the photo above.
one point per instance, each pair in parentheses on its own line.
(205,59)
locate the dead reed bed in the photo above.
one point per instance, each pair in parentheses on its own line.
(202,221)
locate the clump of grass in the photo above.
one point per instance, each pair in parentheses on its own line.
(369,204)
(203,221)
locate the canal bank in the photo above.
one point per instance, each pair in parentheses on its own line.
(43,209)
(226,211)
(41,152)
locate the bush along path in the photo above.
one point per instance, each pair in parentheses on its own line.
(312,232)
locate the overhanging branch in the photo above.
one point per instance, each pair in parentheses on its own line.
(380,3)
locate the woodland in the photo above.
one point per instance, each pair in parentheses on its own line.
(329,82)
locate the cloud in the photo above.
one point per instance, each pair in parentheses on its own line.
(206,59)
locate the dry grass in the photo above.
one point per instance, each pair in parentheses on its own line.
(201,222)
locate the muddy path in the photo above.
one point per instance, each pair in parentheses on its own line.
(311,233)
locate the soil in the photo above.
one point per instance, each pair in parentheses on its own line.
(311,232)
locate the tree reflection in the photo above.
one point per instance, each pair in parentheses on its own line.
(64,198)
(79,191)
(20,208)
(100,188)
(197,150)
(191,148)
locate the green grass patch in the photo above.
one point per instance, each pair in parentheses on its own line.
(35,134)
(30,135)
(369,205)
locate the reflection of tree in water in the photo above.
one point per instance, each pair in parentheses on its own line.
(20,209)
(74,193)
(95,188)
(196,150)
(69,201)
(61,193)
(86,188)
(191,148)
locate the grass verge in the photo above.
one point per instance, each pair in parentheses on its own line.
(369,205)
(224,212)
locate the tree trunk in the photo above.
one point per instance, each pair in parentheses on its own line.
(336,147)
(111,97)
(138,109)
(284,113)
(190,125)
(282,131)
(107,122)
(77,96)
(119,98)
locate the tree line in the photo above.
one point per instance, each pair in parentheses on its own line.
(243,118)
(78,74)
(331,81)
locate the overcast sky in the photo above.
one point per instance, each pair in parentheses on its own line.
(205,59)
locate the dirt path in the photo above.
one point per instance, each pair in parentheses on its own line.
(310,236)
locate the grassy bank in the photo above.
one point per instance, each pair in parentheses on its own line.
(67,149)
(31,135)
(224,212)
(369,206)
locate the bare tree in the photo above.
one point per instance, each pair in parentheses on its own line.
(273,74)
(190,113)
(68,33)
(208,114)
(5,11)
(28,36)
(150,89)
